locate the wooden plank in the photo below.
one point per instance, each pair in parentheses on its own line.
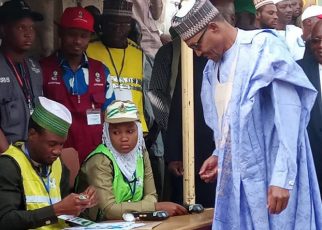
(188,124)
(200,221)
(187,222)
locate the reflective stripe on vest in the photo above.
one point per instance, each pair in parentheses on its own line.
(34,189)
(127,83)
(121,189)
(41,199)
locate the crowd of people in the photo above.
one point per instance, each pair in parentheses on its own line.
(112,92)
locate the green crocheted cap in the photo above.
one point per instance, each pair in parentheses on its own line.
(52,116)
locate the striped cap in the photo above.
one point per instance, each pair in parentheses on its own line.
(52,116)
(117,8)
(192,17)
(121,111)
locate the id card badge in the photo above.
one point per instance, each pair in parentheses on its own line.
(123,94)
(93,116)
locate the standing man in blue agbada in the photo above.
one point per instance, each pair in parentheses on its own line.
(257,100)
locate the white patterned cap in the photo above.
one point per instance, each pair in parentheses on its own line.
(311,11)
(259,3)
(121,111)
(193,16)
(277,1)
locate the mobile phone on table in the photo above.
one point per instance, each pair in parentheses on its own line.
(149,216)
(194,208)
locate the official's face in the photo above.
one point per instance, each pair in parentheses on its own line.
(74,41)
(45,147)
(124,136)
(19,35)
(115,32)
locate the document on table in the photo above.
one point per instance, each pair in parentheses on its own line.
(115,225)
(87,224)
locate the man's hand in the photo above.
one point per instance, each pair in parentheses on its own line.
(172,209)
(90,192)
(277,199)
(71,205)
(176,168)
(209,169)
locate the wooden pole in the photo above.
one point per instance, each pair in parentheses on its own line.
(188,124)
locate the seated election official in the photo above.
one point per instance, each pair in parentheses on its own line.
(120,168)
(33,181)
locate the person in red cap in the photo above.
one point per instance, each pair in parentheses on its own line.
(20,77)
(77,81)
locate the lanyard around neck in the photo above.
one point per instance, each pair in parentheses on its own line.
(23,80)
(46,182)
(132,188)
(118,74)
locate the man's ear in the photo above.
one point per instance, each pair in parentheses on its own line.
(308,22)
(213,26)
(32,133)
(233,19)
(257,15)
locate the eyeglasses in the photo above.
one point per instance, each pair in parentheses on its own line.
(196,45)
(316,40)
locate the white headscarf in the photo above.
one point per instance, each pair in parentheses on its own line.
(126,162)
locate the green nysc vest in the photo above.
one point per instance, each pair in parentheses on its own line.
(124,191)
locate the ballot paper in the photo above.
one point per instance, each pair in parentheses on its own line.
(87,224)
(115,225)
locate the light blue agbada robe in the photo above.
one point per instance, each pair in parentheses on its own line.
(268,143)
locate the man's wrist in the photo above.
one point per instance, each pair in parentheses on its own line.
(57,209)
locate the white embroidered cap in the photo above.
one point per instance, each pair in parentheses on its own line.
(277,1)
(193,16)
(259,3)
(311,11)
(121,111)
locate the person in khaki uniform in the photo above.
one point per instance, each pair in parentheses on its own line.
(120,168)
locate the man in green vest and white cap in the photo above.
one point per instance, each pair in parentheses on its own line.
(33,181)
